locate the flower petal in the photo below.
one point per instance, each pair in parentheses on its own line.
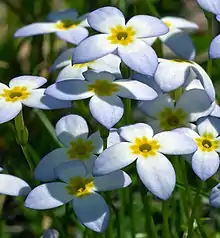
(188,132)
(157,174)
(215,48)
(67,14)
(113,158)
(29,81)
(69,90)
(92,48)
(210,6)
(181,23)
(209,125)
(149,41)
(92,76)
(175,143)
(131,132)
(13,186)
(113,137)
(105,18)
(147,26)
(205,164)
(114,180)
(216,111)
(45,169)
(74,35)
(48,196)
(140,57)
(36,29)
(70,127)
(97,142)
(92,211)
(135,90)
(112,110)
(38,99)
(214,198)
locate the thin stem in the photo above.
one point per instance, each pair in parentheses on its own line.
(131,213)
(117,220)
(121,212)
(128,111)
(165,231)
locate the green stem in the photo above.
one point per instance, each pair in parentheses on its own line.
(117,220)
(201,230)
(109,232)
(165,231)
(152,8)
(131,213)
(128,111)
(121,212)
(27,157)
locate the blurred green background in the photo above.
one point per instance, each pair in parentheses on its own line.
(33,56)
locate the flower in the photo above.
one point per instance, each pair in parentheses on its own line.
(216,110)
(109,63)
(154,169)
(25,90)
(205,160)
(65,24)
(80,189)
(104,91)
(72,130)
(214,198)
(126,39)
(51,233)
(13,186)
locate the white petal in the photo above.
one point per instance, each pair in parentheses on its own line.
(214,198)
(2,87)
(150,40)
(114,180)
(113,137)
(92,211)
(212,6)
(105,18)
(13,186)
(209,125)
(67,14)
(92,76)
(31,82)
(92,48)
(111,112)
(88,163)
(36,29)
(48,196)
(188,132)
(113,158)
(175,143)
(97,142)
(70,127)
(140,57)
(181,23)
(135,90)
(216,111)
(38,99)
(194,84)
(69,90)
(147,26)
(157,174)
(45,169)
(214,48)
(131,132)
(205,164)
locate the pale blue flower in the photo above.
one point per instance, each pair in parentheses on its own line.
(214,198)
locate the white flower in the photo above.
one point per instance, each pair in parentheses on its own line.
(125,38)
(103,88)
(214,198)
(154,169)
(216,110)
(177,39)
(66,24)
(205,160)
(72,131)
(109,63)
(25,90)
(81,190)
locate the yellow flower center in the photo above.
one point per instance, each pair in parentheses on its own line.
(172,118)
(207,142)
(80,186)
(145,147)
(66,24)
(15,94)
(169,24)
(80,149)
(103,87)
(122,35)
(181,61)
(83,65)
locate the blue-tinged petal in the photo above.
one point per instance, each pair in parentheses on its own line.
(74,35)
(216,110)
(92,48)
(49,195)
(135,90)
(36,29)
(114,180)
(218,17)
(92,211)
(111,112)
(214,50)
(147,26)
(209,125)
(67,14)
(157,174)
(205,164)
(105,18)
(51,233)
(150,40)
(212,6)
(180,43)
(29,81)
(214,198)
(113,137)
(39,100)
(140,57)
(92,76)
(13,186)
(113,158)
(69,90)
(97,142)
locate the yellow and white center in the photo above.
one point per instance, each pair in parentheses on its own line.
(66,24)
(207,142)
(167,23)
(121,35)
(80,186)
(80,149)
(87,64)
(15,94)
(103,87)
(145,147)
(172,118)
